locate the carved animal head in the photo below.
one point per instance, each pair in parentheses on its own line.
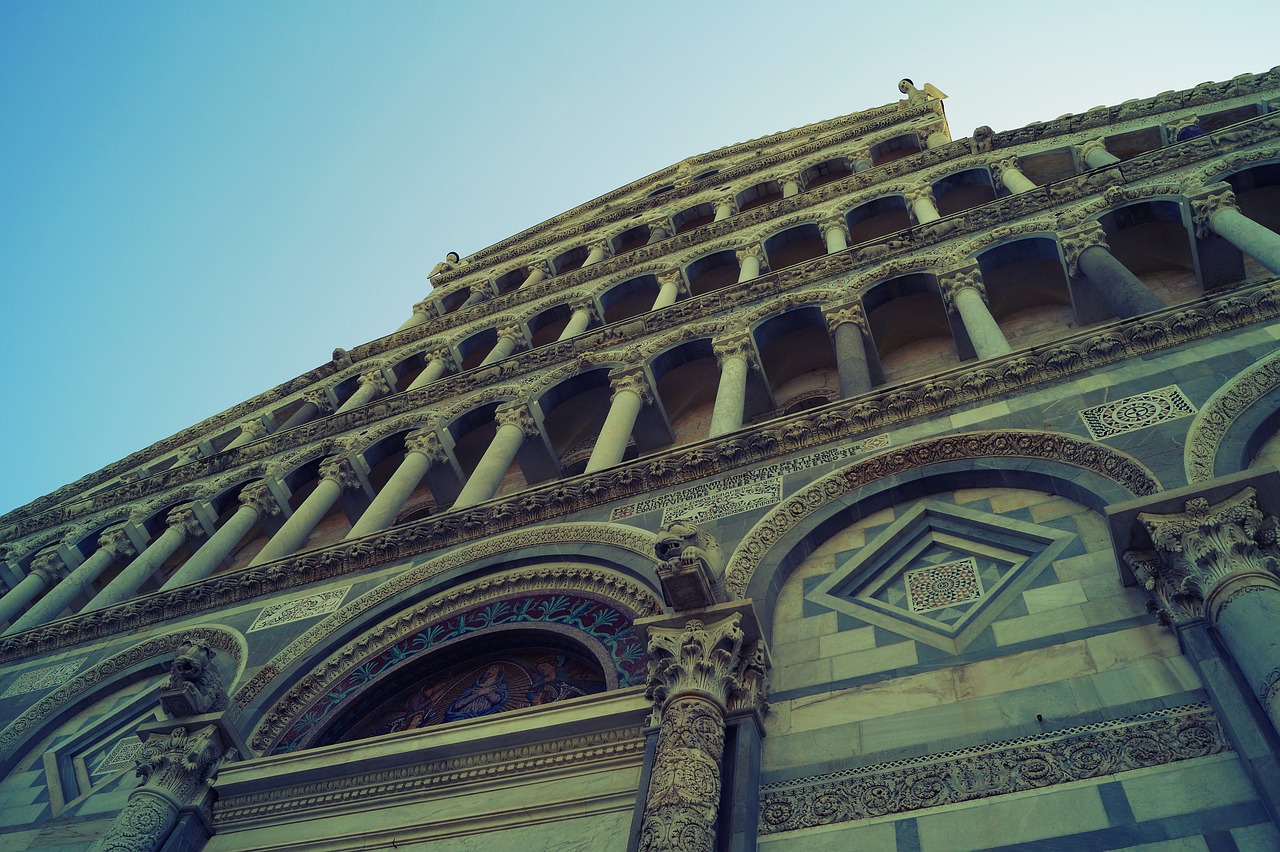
(678,538)
(192,661)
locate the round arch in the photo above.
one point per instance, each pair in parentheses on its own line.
(1232,425)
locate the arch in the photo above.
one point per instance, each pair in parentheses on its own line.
(1153,238)
(629,298)
(614,563)
(693,217)
(909,326)
(827,171)
(1090,473)
(878,217)
(964,190)
(797,356)
(712,271)
(795,245)
(1233,423)
(765,192)
(147,657)
(1027,289)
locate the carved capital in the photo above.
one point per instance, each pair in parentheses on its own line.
(426,308)
(443,354)
(258,497)
(1180,124)
(917,194)
(755,251)
(117,542)
(632,381)
(185,521)
(673,276)
(513,333)
(1208,202)
(735,346)
(538,264)
(585,303)
(338,469)
(698,659)
(425,442)
(965,278)
(1207,550)
(998,169)
(1087,148)
(727,201)
(659,229)
(48,566)
(319,399)
(834,223)
(838,315)
(377,379)
(516,414)
(1075,242)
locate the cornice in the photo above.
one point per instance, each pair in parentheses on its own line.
(849,419)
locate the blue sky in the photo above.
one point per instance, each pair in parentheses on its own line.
(200,201)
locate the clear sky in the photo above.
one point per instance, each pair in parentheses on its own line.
(199,201)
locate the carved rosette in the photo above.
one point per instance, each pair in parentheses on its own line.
(425,442)
(967,278)
(1209,202)
(1075,242)
(735,346)
(516,414)
(258,497)
(339,470)
(1210,553)
(632,381)
(841,314)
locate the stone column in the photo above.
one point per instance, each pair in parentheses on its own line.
(937,139)
(659,230)
(1216,210)
(372,384)
(966,296)
(422,449)
(1087,254)
(515,423)
(790,186)
(671,286)
(750,261)
(922,204)
(479,292)
(510,337)
(848,326)
(1182,129)
(438,362)
(336,476)
(182,526)
(316,403)
(699,673)
(723,210)
(537,272)
(1219,560)
(47,569)
(422,312)
(736,357)
(1096,155)
(584,311)
(599,251)
(256,503)
(250,430)
(861,160)
(1007,172)
(112,545)
(630,394)
(835,233)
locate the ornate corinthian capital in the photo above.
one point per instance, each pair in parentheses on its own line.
(117,542)
(377,379)
(1075,242)
(516,414)
(632,381)
(339,470)
(48,565)
(967,277)
(184,519)
(425,442)
(698,658)
(1209,201)
(838,315)
(735,346)
(259,498)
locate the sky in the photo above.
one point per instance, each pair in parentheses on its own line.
(199,201)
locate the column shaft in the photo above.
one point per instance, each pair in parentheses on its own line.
(578,322)
(1123,291)
(60,596)
(611,444)
(790,187)
(749,266)
(210,555)
(724,209)
(851,360)
(483,482)
(305,414)
(300,524)
(129,580)
(364,393)
(1260,243)
(597,254)
(535,275)
(984,332)
(731,394)
(431,373)
(1015,181)
(1247,626)
(925,209)
(1098,156)
(502,349)
(668,293)
(476,297)
(20,596)
(835,239)
(384,508)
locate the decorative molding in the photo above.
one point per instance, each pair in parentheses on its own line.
(300,609)
(1220,412)
(1013,766)
(42,678)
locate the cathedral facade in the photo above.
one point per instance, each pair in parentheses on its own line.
(850,487)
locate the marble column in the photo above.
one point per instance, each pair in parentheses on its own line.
(848,326)
(599,251)
(1007,172)
(966,296)
(336,476)
(659,230)
(723,210)
(1218,560)
(47,569)
(750,261)
(630,394)
(515,423)
(510,337)
(861,160)
(790,186)
(372,385)
(250,430)
(937,139)
(438,362)
(736,356)
(479,292)
(1216,210)
(924,208)
(1095,154)
(1182,129)
(671,285)
(182,526)
(1087,254)
(701,671)
(256,503)
(835,233)
(112,545)
(422,312)
(314,404)
(422,449)
(584,311)
(537,272)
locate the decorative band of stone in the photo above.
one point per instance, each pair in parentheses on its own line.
(1270,686)
(1028,763)
(1219,413)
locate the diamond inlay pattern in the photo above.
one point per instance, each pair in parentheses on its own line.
(939,586)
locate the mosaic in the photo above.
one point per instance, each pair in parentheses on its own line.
(1137,412)
(597,622)
(939,586)
(321,603)
(45,678)
(121,756)
(742,484)
(1028,763)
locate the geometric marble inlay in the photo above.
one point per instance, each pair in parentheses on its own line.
(939,586)
(1137,412)
(121,756)
(45,678)
(321,603)
(941,573)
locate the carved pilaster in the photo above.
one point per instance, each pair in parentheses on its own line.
(735,346)
(259,498)
(338,469)
(951,283)
(516,414)
(1208,202)
(1075,242)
